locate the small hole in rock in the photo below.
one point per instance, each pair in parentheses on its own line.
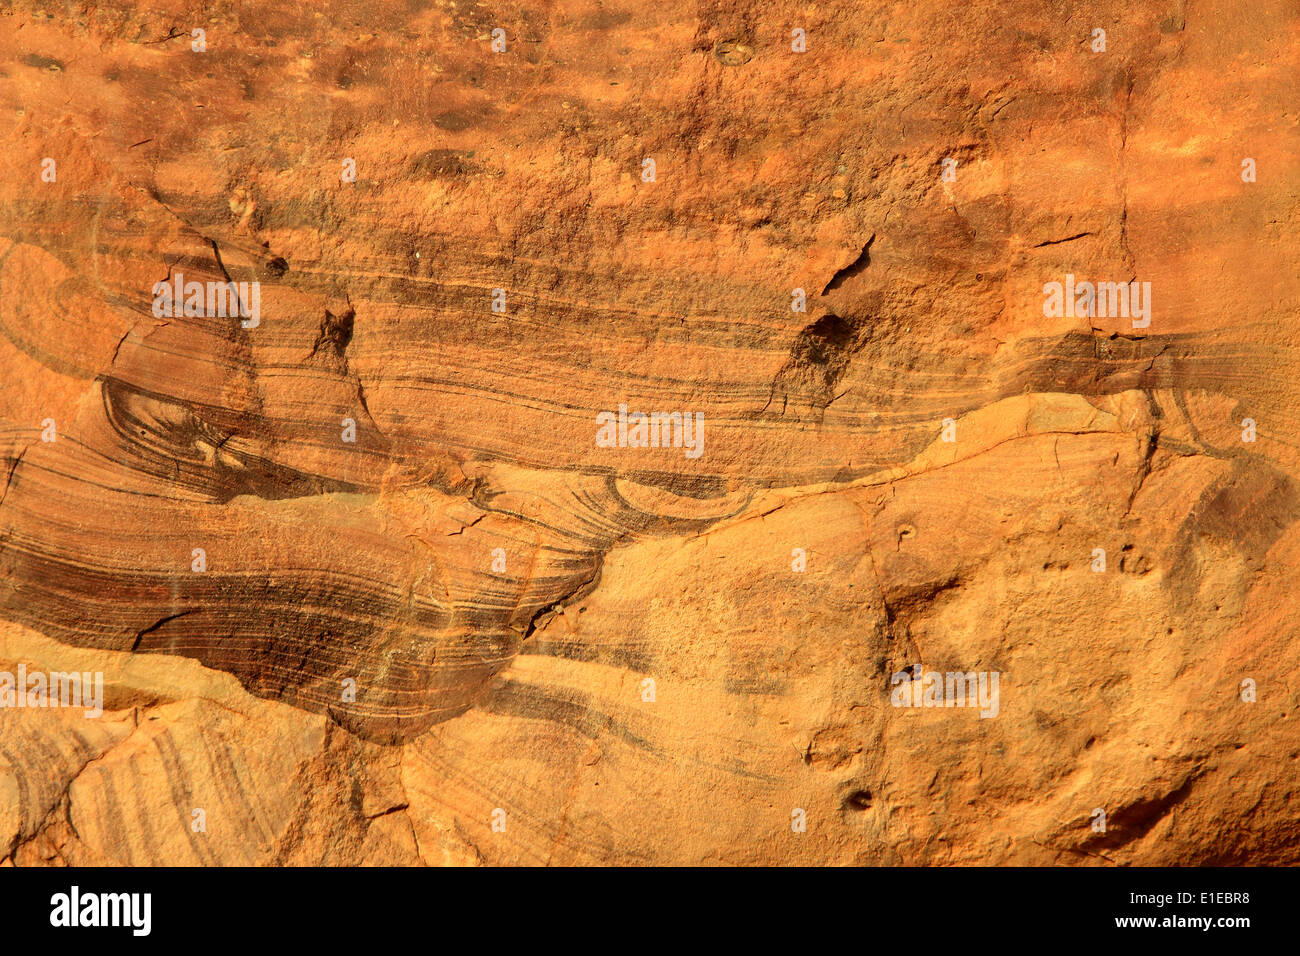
(858,800)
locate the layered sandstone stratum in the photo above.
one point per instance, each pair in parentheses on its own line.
(370,580)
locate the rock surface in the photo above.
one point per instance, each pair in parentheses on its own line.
(390,476)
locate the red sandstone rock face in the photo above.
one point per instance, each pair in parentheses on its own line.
(366,583)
